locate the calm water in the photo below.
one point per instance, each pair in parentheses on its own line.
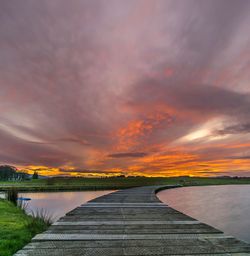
(224,207)
(59,203)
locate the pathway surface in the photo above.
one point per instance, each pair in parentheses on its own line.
(131,222)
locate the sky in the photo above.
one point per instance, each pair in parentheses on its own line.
(135,87)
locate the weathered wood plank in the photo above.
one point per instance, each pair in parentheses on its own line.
(222,242)
(131,222)
(132,251)
(79,237)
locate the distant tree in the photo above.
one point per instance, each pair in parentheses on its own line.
(121,176)
(23,176)
(7,172)
(35,175)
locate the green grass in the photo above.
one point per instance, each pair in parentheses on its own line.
(76,184)
(16,228)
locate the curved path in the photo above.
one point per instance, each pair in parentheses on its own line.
(131,222)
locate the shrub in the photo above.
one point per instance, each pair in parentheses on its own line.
(41,219)
(35,175)
(12,195)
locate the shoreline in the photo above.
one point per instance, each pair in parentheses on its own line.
(64,189)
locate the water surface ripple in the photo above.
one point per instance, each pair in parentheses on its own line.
(225,207)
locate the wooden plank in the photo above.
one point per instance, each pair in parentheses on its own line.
(131,222)
(222,242)
(132,251)
(79,237)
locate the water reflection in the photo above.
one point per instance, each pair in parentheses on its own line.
(59,203)
(225,207)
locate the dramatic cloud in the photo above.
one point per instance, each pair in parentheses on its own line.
(240,157)
(234,129)
(128,154)
(137,87)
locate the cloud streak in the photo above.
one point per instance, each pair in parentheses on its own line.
(128,154)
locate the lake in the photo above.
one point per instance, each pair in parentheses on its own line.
(57,204)
(225,207)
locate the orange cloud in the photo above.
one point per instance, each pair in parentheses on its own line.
(132,134)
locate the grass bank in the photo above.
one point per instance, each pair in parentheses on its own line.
(77,184)
(16,228)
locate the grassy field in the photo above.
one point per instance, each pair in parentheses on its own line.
(16,228)
(76,184)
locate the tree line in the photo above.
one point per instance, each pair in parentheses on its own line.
(10,173)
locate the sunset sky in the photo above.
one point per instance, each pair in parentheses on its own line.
(134,87)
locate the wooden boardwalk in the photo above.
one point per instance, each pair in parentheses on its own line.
(131,222)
